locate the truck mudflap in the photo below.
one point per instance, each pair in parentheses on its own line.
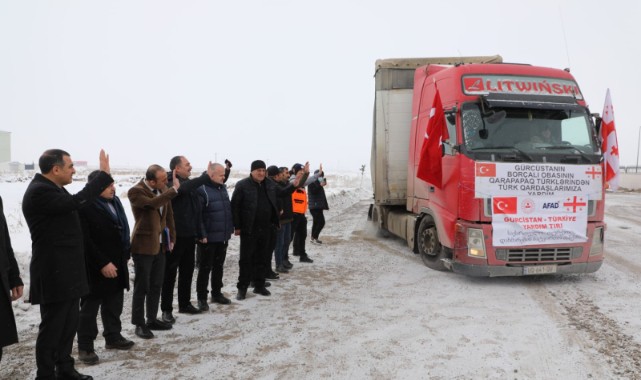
(501,271)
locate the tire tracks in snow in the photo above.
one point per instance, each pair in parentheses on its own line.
(615,354)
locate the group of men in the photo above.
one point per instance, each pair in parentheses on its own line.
(81,245)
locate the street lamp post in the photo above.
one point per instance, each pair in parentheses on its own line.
(636,168)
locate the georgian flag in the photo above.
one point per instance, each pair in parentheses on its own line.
(609,144)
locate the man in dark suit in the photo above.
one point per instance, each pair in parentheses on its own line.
(181,260)
(58,272)
(106,232)
(10,285)
(152,236)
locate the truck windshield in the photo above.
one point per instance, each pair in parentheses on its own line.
(532,133)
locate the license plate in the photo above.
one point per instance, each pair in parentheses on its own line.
(539,269)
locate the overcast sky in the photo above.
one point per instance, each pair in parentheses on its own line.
(282,81)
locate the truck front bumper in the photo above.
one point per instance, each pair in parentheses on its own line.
(500,271)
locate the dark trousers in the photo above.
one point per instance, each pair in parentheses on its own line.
(299,234)
(150,270)
(283,237)
(212,260)
(318,222)
(110,306)
(58,325)
(179,262)
(254,248)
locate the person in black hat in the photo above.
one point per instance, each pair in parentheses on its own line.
(255,213)
(107,252)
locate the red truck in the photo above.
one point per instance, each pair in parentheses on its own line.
(522,189)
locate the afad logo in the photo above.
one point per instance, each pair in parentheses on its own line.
(504,205)
(485,169)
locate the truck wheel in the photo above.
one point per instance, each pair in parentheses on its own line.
(429,247)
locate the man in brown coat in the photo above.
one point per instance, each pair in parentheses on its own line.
(152,235)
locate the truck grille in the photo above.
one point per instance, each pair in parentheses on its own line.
(538,254)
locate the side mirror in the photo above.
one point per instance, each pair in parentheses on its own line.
(451,117)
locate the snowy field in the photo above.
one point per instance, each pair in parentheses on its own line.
(368,309)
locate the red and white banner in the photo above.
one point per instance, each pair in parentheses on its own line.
(519,221)
(537,180)
(610,146)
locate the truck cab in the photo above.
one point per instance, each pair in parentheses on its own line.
(519,135)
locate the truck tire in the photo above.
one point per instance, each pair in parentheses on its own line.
(429,247)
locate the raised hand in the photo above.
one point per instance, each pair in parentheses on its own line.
(299,176)
(104,162)
(306,168)
(210,169)
(175,180)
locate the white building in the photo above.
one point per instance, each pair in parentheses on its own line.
(5,147)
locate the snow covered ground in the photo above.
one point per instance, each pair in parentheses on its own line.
(368,309)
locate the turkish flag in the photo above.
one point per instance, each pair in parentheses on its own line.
(484,169)
(504,205)
(609,144)
(429,165)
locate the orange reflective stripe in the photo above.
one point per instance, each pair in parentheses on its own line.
(299,201)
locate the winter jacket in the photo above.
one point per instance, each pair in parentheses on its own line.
(244,203)
(9,279)
(58,271)
(107,241)
(150,222)
(316,199)
(285,202)
(216,223)
(185,204)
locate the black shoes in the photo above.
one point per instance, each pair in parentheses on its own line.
(189,309)
(71,374)
(221,299)
(88,357)
(316,241)
(158,325)
(242,293)
(272,276)
(262,291)
(306,259)
(287,264)
(202,305)
(267,284)
(168,317)
(144,332)
(121,343)
(281,269)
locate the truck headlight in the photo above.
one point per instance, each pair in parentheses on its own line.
(475,242)
(597,242)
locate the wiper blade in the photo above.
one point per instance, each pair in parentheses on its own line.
(512,148)
(572,147)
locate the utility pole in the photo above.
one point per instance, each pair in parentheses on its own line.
(636,168)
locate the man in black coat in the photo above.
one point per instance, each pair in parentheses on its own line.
(255,213)
(58,271)
(107,251)
(10,285)
(181,260)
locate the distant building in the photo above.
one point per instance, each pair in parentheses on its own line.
(82,164)
(5,147)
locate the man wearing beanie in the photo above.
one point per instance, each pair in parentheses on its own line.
(255,213)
